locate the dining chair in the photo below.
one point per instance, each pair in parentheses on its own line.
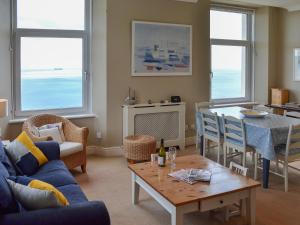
(235,140)
(211,132)
(291,114)
(263,108)
(236,209)
(198,107)
(289,153)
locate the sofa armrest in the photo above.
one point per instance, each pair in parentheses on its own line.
(50,149)
(87,213)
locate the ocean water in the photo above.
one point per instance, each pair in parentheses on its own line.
(226,84)
(51,93)
(39,91)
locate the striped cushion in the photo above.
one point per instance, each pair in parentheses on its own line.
(36,194)
(25,155)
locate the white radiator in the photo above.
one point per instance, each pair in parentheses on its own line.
(165,121)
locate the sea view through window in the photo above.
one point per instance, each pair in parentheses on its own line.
(230,54)
(52,46)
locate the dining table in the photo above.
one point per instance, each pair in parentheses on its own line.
(263,134)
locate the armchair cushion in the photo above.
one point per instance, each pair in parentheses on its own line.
(69,148)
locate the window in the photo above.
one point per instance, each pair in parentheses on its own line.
(51,56)
(231,54)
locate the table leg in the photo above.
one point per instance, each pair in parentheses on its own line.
(135,189)
(177,217)
(201,144)
(266,168)
(251,207)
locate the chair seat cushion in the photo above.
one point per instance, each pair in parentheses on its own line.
(73,193)
(55,173)
(69,148)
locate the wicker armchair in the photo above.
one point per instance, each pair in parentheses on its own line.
(73,135)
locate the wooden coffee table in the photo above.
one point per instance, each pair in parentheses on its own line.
(178,198)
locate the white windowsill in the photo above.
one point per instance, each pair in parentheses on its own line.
(234,104)
(80,116)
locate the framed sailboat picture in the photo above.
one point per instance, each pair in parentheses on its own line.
(297,64)
(161,49)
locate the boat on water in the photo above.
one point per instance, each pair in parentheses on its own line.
(161,59)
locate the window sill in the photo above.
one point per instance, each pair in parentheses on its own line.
(80,116)
(241,104)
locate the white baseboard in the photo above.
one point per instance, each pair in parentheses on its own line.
(190,141)
(105,152)
(117,151)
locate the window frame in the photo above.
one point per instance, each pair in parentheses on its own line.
(84,35)
(248,43)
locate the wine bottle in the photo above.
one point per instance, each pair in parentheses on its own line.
(162,154)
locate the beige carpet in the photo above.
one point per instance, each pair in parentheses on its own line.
(108,179)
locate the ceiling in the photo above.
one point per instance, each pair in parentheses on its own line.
(290,5)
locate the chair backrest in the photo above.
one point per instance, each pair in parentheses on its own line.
(292,114)
(238,168)
(202,105)
(210,125)
(263,108)
(293,142)
(234,132)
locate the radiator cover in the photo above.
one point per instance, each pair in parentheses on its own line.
(165,121)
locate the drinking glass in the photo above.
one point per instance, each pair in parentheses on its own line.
(172,155)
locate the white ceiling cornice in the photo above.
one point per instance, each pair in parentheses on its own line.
(290,5)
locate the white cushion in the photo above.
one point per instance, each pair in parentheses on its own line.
(69,148)
(53,125)
(52,132)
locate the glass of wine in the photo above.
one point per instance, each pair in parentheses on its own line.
(172,155)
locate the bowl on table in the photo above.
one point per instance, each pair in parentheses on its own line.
(250,113)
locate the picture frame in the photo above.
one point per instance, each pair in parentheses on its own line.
(296,64)
(161,49)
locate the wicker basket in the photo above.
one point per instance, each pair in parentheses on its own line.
(140,147)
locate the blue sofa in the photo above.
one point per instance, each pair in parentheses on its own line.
(79,212)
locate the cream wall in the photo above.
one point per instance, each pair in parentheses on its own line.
(290,39)
(191,88)
(110,87)
(266,52)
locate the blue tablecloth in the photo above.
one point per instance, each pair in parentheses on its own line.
(263,134)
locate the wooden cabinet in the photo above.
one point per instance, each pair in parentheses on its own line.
(279,96)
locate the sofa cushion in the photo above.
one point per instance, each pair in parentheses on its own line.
(55,173)
(69,148)
(6,161)
(25,155)
(7,202)
(73,193)
(3,170)
(50,149)
(37,195)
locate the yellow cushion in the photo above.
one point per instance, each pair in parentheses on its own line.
(35,151)
(48,187)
